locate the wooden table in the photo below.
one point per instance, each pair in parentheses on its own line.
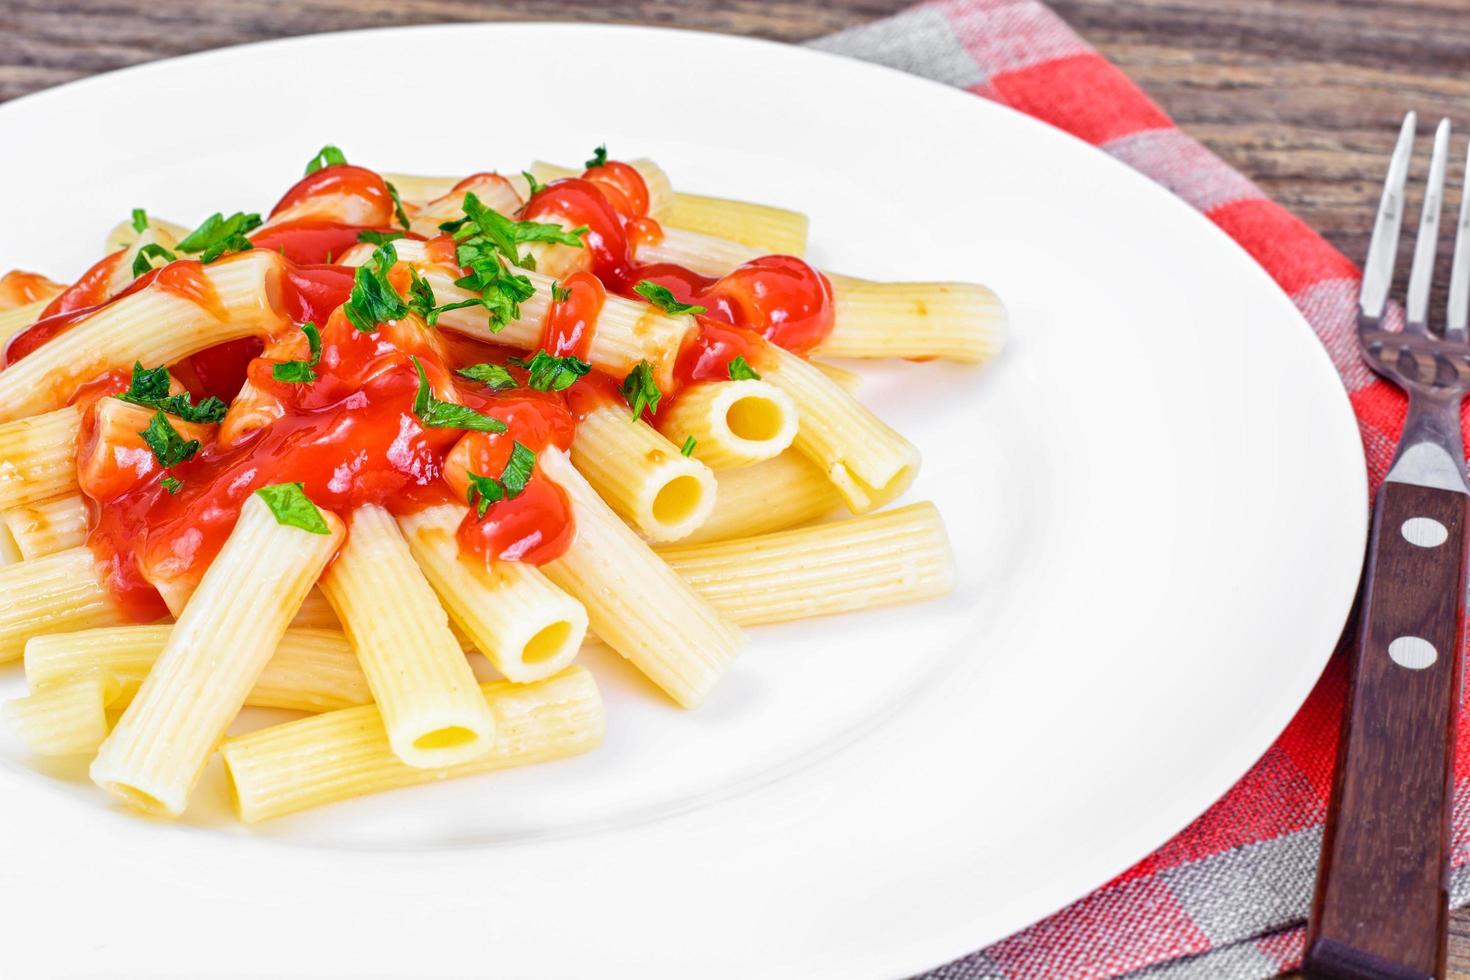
(1301,95)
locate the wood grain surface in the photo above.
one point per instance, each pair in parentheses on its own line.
(1301,95)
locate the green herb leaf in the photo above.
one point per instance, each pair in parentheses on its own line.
(300,372)
(640,391)
(398,211)
(438,414)
(169,448)
(293,508)
(559,293)
(149,388)
(599,157)
(549,373)
(218,235)
(170,484)
(143,261)
(140,220)
(688,448)
(493,376)
(378,237)
(373,299)
(485,490)
(663,298)
(327,156)
(421,296)
(741,371)
(533,186)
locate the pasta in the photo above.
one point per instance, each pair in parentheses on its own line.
(894,556)
(423,687)
(214,655)
(327,458)
(343,754)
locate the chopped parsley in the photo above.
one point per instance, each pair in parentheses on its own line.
(599,157)
(492,376)
(378,237)
(486,490)
(398,211)
(438,414)
(373,299)
(149,388)
(661,297)
(293,508)
(140,220)
(143,261)
(219,235)
(169,448)
(533,186)
(327,156)
(741,371)
(640,391)
(549,373)
(300,372)
(171,484)
(485,229)
(559,293)
(688,448)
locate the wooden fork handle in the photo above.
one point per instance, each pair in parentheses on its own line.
(1381,906)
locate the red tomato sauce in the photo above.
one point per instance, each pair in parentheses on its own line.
(352,436)
(17,288)
(570,322)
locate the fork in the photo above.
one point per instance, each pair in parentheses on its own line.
(1381,906)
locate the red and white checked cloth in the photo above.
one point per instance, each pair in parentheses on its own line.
(1228,896)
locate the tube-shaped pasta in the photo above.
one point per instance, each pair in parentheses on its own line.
(344,754)
(635,602)
(527,627)
(215,653)
(732,423)
(868,462)
(954,320)
(641,474)
(770,496)
(154,325)
(310,670)
(124,235)
(958,321)
(56,593)
(423,685)
(47,526)
(493,190)
(38,457)
(625,333)
(879,559)
(768,230)
(68,718)
(704,254)
(420,189)
(17,318)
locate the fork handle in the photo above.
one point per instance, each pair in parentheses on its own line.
(1381,906)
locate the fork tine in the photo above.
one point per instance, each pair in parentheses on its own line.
(1421,275)
(1383,247)
(1459,311)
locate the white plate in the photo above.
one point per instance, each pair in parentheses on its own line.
(1156,498)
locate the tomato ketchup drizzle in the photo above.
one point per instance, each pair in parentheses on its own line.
(18,288)
(779,297)
(351,436)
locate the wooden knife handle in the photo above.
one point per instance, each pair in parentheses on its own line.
(1381,906)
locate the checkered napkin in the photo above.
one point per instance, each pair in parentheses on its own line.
(1228,896)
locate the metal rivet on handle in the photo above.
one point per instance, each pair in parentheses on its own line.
(1425,532)
(1412,652)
